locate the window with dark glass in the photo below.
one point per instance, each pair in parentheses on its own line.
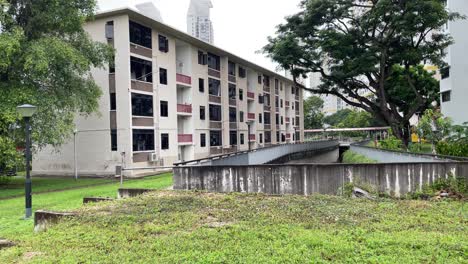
(277,119)
(266,118)
(261,138)
(266,80)
(231,68)
(214,62)
(140,35)
(201,85)
(202,58)
(445,72)
(142,105)
(266,99)
(242,72)
(267,136)
(143,139)
(232,114)
(110,30)
(261,99)
(282,120)
(260,118)
(141,70)
(163,44)
(164,109)
(215,139)
(114,139)
(446,96)
(242,139)
(162,76)
(232,91)
(277,136)
(203,140)
(241,116)
(276,84)
(232,138)
(298,136)
(259,79)
(283,138)
(215,112)
(113,101)
(276,101)
(281,103)
(241,94)
(214,87)
(202,113)
(164,141)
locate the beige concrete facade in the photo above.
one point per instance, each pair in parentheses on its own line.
(98,153)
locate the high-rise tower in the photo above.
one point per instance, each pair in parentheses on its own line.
(198,20)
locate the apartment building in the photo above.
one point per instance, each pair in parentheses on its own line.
(170,97)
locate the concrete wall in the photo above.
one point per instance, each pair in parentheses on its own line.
(387,156)
(396,179)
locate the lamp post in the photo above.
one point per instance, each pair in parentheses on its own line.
(75,158)
(27,111)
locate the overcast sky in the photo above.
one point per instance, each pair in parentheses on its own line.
(240,26)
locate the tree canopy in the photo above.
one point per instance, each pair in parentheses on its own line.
(368,53)
(45,60)
(348,118)
(313,115)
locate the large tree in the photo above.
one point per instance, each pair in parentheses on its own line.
(368,53)
(313,112)
(45,60)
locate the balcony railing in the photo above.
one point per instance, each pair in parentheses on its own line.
(184,108)
(287,104)
(288,120)
(251,95)
(184,79)
(251,116)
(252,137)
(185,138)
(288,136)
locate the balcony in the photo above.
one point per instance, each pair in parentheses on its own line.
(250,96)
(266,89)
(185,138)
(183,80)
(251,116)
(288,136)
(288,120)
(252,137)
(184,109)
(287,104)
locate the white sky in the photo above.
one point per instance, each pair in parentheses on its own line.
(240,26)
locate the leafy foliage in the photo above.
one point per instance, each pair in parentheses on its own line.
(368,53)
(313,115)
(391,143)
(353,157)
(45,60)
(348,118)
(452,148)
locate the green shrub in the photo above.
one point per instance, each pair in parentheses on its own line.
(358,183)
(458,149)
(4,180)
(453,185)
(353,157)
(391,143)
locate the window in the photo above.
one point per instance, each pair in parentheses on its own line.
(110,30)
(114,139)
(276,101)
(266,80)
(143,139)
(267,119)
(164,141)
(162,76)
(141,70)
(214,62)
(278,137)
(283,138)
(232,138)
(261,99)
(277,120)
(201,85)
(202,113)
(232,114)
(140,35)
(241,116)
(232,91)
(260,119)
(259,79)
(242,140)
(276,84)
(241,94)
(164,109)
(268,137)
(261,138)
(281,103)
(203,140)
(231,68)
(298,136)
(215,138)
(266,99)
(242,72)
(113,101)
(112,65)
(215,112)
(163,44)
(445,72)
(214,87)
(282,120)
(202,58)
(446,96)
(142,105)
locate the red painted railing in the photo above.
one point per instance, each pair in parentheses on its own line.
(251,116)
(287,103)
(252,137)
(184,108)
(185,138)
(251,95)
(184,79)
(288,119)
(288,135)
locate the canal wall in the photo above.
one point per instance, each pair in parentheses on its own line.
(396,179)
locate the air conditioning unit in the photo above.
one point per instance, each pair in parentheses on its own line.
(153,157)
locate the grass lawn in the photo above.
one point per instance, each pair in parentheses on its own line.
(353,157)
(16,186)
(12,210)
(196,227)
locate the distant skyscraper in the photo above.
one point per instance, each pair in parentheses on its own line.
(198,20)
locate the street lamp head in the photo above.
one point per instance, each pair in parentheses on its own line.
(26,110)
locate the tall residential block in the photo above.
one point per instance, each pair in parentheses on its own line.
(199,23)
(170,97)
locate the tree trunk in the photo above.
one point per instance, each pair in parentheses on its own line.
(402,132)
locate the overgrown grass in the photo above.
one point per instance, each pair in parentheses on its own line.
(178,227)
(16,186)
(12,210)
(353,157)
